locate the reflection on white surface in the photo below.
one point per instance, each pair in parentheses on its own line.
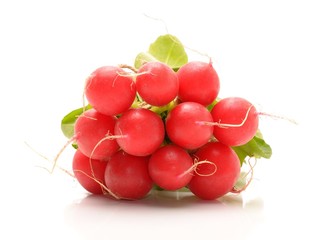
(164,216)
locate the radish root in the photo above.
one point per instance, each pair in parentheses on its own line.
(135,70)
(278,117)
(194,168)
(251,173)
(133,75)
(104,188)
(55,160)
(197,163)
(44,157)
(107,137)
(226,125)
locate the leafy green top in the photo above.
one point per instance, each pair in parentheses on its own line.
(68,121)
(256,148)
(167,49)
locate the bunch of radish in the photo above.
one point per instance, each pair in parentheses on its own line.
(158,126)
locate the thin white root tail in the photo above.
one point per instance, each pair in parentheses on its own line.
(44,157)
(135,70)
(203,162)
(55,160)
(194,167)
(278,117)
(226,125)
(251,172)
(104,188)
(135,74)
(108,137)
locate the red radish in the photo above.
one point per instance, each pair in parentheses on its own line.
(93,134)
(183,125)
(157,84)
(127,176)
(142,131)
(171,167)
(162,123)
(198,82)
(212,181)
(110,90)
(89,172)
(236,121)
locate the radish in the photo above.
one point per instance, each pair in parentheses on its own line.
(127,176)
(141,131)
(161,123)
(183,128)
(93,134)
(171,167)
(198,82)
(212,181)
(89,172)
(110,90)
(157,84)
(236,121)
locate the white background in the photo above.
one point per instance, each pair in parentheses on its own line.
(271,52)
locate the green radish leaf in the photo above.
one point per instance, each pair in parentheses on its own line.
(256,148)
(68,122)
(167,49)
(241,154)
